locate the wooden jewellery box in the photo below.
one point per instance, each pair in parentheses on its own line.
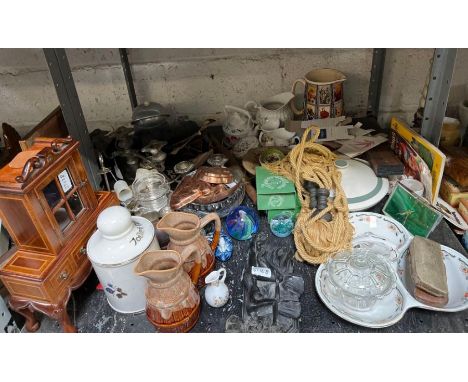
(49,209)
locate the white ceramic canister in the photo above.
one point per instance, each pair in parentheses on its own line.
(114,249)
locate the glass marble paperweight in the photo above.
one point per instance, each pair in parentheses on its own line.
(225,246)
(282,225)
(242,222)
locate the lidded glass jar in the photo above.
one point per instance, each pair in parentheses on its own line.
(358,278)
(151,192)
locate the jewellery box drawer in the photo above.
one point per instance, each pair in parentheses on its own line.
(60,278)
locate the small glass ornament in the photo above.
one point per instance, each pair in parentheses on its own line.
(242,222)
(282,225)
(224,250)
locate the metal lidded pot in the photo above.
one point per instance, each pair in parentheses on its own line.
(149,114)
(114,249)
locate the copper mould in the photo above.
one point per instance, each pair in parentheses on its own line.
(218,192)
(188,190)
(215,175)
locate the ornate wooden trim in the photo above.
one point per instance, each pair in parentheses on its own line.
(43,158)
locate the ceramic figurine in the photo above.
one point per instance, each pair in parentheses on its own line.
(216,292)
(185,229)
(172,300)
(242,222)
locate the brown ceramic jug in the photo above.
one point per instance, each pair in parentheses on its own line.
(185,229)
(172,300)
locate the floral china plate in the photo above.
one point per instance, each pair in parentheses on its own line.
(391,309)
(383,233)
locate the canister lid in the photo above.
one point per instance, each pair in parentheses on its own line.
(120,237)
(362,187)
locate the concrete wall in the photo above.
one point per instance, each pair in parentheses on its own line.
(199,82)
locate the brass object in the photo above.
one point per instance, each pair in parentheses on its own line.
(215,175)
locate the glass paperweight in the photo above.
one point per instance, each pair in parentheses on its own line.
(358,278)
(282,225)
(242,222)
(225,246)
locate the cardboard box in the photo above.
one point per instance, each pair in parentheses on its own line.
(463,208)
(274,192)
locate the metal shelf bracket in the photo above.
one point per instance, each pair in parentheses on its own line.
(71,108)
(435,107)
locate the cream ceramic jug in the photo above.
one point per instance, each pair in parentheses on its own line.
(172,300)
(272,112)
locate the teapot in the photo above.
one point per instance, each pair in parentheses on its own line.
(238,124)
(216,292)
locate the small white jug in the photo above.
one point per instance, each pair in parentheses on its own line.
(216,292)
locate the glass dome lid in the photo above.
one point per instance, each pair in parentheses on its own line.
(361,273)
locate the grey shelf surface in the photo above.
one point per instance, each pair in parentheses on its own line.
(91,313)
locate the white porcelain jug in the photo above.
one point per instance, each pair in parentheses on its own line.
(272,109)
(216,292)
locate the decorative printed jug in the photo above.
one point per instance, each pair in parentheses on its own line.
(184,229)
(172,300)
(323,94)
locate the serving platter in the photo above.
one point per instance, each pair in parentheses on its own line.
(380,230)
(391,309)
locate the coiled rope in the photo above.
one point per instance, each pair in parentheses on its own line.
(316,239)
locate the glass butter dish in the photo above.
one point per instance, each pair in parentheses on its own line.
(358,278)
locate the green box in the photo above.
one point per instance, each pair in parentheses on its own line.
(269,183)
(276,202)
(274,192)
